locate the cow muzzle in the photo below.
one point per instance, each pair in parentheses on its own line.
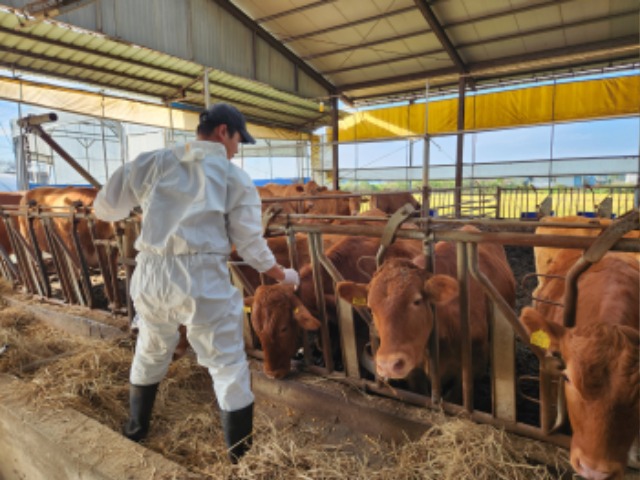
(395,365)
(589,471)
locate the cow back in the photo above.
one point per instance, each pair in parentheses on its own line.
(62,200)
(390,203)
(8,199)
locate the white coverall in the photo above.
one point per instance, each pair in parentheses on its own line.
(196,204)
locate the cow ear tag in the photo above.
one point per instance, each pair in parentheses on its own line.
(296,310)
(359,301)
(541,339)
(247,309)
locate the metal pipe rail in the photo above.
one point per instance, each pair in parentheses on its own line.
(427,230)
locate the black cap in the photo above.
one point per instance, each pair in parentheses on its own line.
(223,113)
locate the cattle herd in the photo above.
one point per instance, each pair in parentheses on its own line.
(597,352)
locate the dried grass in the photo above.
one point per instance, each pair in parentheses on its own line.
(91,376)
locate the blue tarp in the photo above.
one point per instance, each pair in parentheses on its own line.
(259,182)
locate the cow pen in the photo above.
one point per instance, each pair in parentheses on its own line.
(522,402)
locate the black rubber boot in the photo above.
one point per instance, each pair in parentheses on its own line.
(141,398)
(238,427)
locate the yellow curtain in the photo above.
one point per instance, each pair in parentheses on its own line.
(608,97)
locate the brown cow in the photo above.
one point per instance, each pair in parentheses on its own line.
(345,255)
(545,257)
(399,296)
(60,200)
(600,356)
(391,202)
(333,206)
(275,190)
(354,257)
(278,318)
(8,199)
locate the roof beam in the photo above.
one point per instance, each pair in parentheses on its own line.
(628,45)
(434,23)
(87,68)
(52,8)
(520,34)
(536,31)
(490,16)
(177,88)
(253,119)
(512,11)
(275,44)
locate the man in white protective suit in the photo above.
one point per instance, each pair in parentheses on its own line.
(196,204)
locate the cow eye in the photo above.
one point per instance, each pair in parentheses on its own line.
(565,377)
(418,301)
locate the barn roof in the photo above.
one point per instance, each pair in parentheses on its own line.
(281,62)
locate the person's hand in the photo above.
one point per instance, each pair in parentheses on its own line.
(291,277)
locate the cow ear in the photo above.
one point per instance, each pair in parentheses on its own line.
(303,316)
(542,333)
(420,261)
(441,288)
(256,320)
(354,293)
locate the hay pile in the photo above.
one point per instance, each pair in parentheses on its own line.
(91,376)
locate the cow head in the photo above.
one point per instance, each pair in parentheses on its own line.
(277,316)
(601,384)
(399,295)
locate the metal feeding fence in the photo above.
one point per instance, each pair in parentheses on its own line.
(61,270)
(505,383)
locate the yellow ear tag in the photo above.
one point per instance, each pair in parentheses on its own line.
(359,301)
(247,309)
(296,310)
(541,339)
